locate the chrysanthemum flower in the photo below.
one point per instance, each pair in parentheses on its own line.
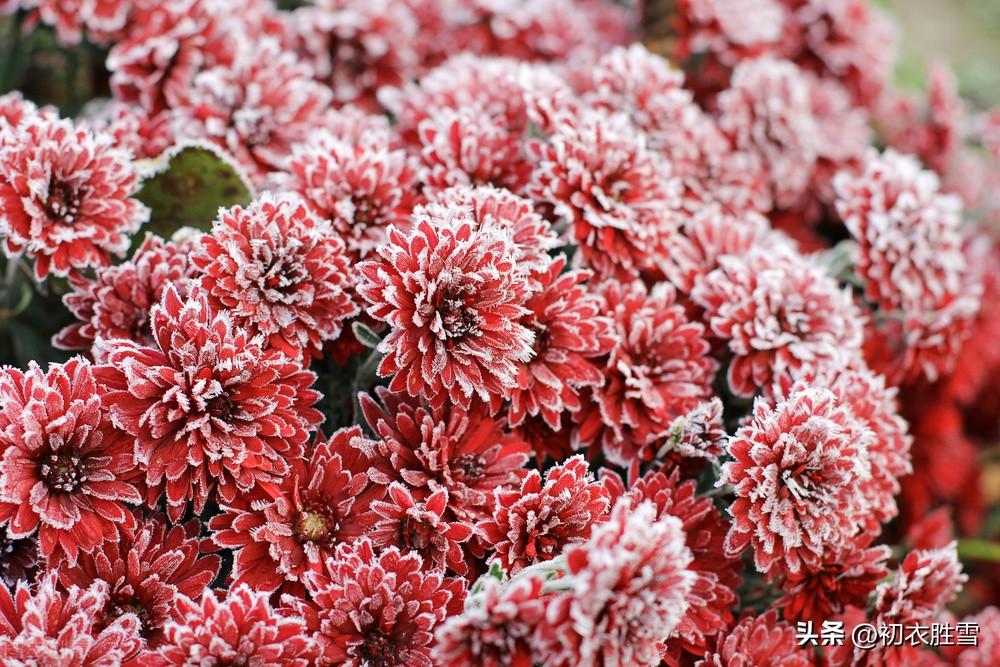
(422,527)
(466,451)
(496,632)
(65,197)
(986,652)
(767,113)
(15,110)
(453,297)
(145,569)
(257,108)
(925,582)
(569,333)
(280,534)
(758,640)
(617,196)
(116,302)
(18,559)
(629,590)
(798,473)
(65,470)
(777,311)
(727,32)
(466,147)
(370,609)
(143,134)
(658,370)
(362,188)
(209,407)
(535,522)
(240,627)
(716,575)
(279,271)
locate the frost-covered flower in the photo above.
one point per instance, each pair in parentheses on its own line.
(280,534)
(658,370)
(65,471)
(209,407)
(116,302)
(362,188)
(798,472)
(716,575)
(422,527)
(777,311)
(65,197)
(533,523)
(986,652)
(279,271)
(145,569)
(758,640)
(629,589)
(15,110)
(495,632)
(238,627)
(257,108)
(71,18)
(616,195)
(570,332)
(728,31)
(925,582)
(453,297)
(465,451)
(378,609)
(143,134)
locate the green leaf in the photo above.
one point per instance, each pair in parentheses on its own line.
(366,336)
(186,187)
(979,550)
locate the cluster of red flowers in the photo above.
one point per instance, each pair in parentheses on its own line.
(642,363)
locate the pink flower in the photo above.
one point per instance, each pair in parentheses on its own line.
(49,627)
(658,370)
(145,570)
(279,271)
(533,523)
(777,311)
(234,628)
(798,473)
(467,452)
(758,640)
(65,197)
(362,188)
(136,130)
(615,194)
(116,303)
(628,591)
(210,409)
(453,297)
(279,535)
(421,527)
(370,609)
(65,471)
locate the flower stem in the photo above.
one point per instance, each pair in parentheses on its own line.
(979,550)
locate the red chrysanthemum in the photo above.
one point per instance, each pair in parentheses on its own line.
(210,409)
(257,108)
(798,473)
(49,627)
(716,575)
(145,569)
(382,609)
(422,527)
(569,332)
(777,311)
(453,297)
(986,651)
(756,641)
(238,628)
(767,113)
(18,559)
(65,197)
(910,256)
(65,470)
(279,271)
(136,130)
(658,370)
(116,302)
(15,110)
(466,451)
(693,438)
(726,32)
(535,522)
(925,582)
(616,195)
(628,592)
(279,535)
(467,147)
(362,188)
(495,632)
